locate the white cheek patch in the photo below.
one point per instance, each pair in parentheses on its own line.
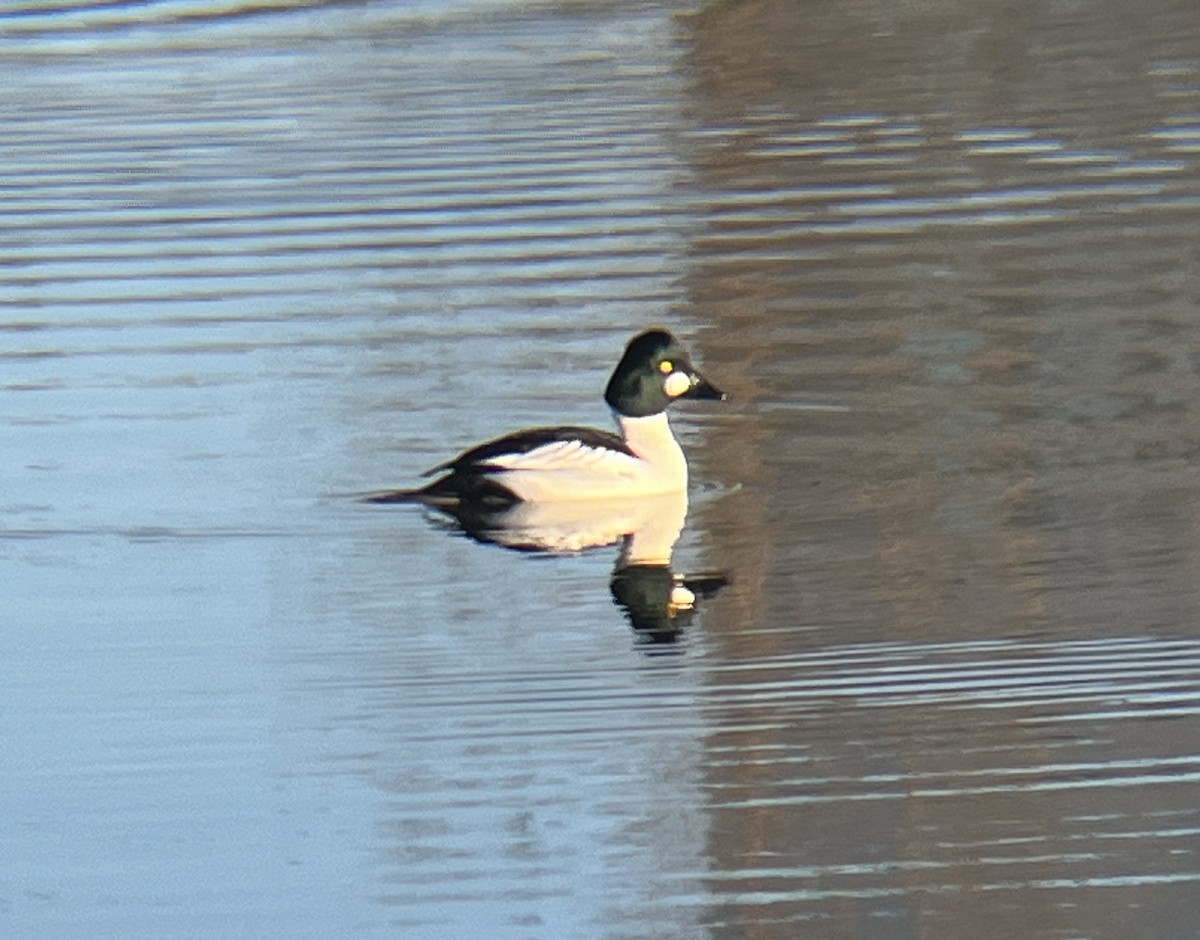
(676,384)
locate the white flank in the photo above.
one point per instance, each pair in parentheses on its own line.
(569,470)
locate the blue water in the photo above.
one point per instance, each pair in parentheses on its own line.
(945,676)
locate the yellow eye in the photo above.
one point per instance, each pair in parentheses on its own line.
(666,367)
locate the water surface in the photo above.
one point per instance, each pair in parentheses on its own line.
(944,678)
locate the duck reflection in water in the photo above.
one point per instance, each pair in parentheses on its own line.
(658,602)
(566,489)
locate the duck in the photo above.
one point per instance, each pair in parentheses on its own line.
(564,464)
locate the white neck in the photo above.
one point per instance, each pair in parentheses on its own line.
(651,439)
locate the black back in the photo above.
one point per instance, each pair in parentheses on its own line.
(476,459)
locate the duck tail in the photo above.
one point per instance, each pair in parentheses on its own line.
(392,496)
(450,491)
(425,496)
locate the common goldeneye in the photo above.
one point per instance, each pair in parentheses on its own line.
(565,464)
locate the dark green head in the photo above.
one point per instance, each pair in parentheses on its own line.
(654,372)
